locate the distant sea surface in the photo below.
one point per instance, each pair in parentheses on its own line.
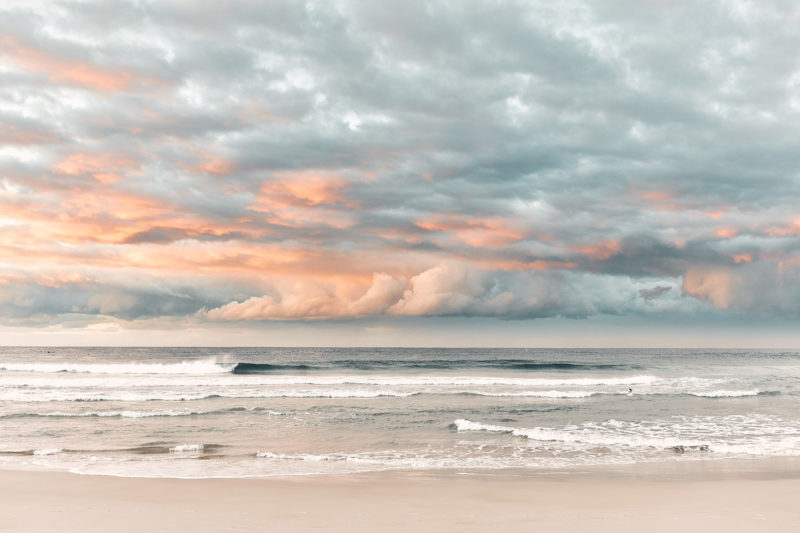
(252,412)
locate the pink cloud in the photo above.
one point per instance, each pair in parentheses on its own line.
(726,233)
(105,168)
(304,189)
(600,250)
(668,200)
(657,195)
(10,134)
(717,213)
(63,70)
(661,200)
(445,289)
(307,300)
(205,161)
(538,264)
(714,285)
(299,199)
(478,233)
(216,165)
(439,289)
(786,230)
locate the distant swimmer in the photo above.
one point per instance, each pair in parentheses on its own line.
(630,391)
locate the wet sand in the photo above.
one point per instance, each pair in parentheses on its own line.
(674,498)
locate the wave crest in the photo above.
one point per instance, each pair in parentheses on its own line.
(206,366)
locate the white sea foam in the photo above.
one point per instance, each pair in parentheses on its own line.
(110,413)
(724,393)
(109,391)
(173,386)
(143,414)
(302,456)
(38,396)
(787,446)
(187,380)
(586,434)
(103,395)
(187,448)
(468,425)
(48,451)
(207,366)
(269,464)
(541,394)
(733,435)
(592,443)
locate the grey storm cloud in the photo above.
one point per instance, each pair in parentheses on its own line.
(655,292)
(30,300)
(163,235)
(575,158)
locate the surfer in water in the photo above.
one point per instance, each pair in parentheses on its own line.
(630,391)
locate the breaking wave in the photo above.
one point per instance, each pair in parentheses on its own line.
(207,366)
(212,366)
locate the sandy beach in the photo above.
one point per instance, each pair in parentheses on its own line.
(667,498)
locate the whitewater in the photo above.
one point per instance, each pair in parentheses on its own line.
(250,412)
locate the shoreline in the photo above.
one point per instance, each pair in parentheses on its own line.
(686,495)
(694,469)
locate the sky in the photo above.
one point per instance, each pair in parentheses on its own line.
(444,173)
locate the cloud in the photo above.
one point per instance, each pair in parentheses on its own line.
(43,301)
(765,288)
(355,159)
(65,70)
(655,292)
(451,290)
(713,285)
(314,301)
(105,168)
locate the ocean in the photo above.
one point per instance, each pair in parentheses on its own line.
(261,412)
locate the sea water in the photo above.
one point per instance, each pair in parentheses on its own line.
(250,412)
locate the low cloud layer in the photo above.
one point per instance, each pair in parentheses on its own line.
(456,290)
(330,160)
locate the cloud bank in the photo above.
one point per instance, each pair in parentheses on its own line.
(341,160)
(454,290)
